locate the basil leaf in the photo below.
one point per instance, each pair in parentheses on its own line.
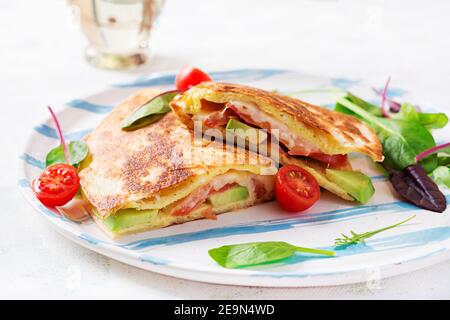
(441,175)
(254,253)
(150,112)
(78,151)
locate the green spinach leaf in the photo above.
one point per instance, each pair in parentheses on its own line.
(78,151)
(150,112)
(254,253)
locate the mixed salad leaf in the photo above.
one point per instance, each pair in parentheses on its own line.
(404,136)
(408,146)
(402,140)
(441,175)
(408,112)
(78,151)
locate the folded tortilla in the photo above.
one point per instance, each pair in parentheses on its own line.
(303,129)
(161,174)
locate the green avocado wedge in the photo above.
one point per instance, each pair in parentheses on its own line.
(127,218)
(357,184)
(234,194)
(242,130)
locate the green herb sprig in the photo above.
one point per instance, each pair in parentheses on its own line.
(361,237)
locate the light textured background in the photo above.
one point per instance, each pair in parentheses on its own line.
(41,62)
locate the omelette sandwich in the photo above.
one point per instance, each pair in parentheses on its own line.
(314,138)
(152,177)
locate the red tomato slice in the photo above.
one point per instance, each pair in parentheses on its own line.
(335,160)
(57,185)
(189,76)
(295,188)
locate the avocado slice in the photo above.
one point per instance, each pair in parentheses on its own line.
(127,218)
(234,194)
(240,130)
(357,184)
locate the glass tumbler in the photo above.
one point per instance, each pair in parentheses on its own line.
(117,30)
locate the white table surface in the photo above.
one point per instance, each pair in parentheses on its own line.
(41,62)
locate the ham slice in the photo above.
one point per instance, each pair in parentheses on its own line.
(196,198)
(219,118)
(192,201)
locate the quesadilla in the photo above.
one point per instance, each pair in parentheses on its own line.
(311,137)
(161,174)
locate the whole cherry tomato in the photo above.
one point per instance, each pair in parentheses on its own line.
(189,76)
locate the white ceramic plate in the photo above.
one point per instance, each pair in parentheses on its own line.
(181,250)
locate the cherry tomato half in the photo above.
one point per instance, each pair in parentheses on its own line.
(295,188)
(188,76)
(57,185)
(335,160)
